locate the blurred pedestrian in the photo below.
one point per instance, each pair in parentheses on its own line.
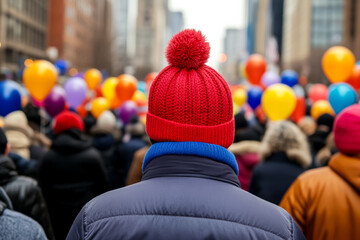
(135,132)
(14,225)
(103,140)
(24,193)
(285,154)
(245,148)
(71,173)
(189,188)
(325,202)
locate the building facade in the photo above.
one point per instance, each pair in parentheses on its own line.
(23,28)
(79,29)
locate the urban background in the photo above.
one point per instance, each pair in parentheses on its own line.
(129,36)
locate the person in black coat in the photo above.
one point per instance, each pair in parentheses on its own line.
(103,140)
(24,193)
(71,173)
(285,154)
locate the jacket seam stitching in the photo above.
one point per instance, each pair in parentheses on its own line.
(218,219)
(85,222)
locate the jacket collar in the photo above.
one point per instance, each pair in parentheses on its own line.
(190,166)
(198,149)
(348,168)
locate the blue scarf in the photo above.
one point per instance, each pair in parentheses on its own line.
(215,152)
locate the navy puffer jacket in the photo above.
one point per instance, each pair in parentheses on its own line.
(184,194)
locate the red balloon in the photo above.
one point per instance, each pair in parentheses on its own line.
(354,79)
(300,109)
(255,67)
(318,92)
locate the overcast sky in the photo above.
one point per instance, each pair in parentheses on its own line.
(212,17)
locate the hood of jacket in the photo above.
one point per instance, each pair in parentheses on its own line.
(243,147)
(103,141)
(70,142)
(7,169)
(348,168)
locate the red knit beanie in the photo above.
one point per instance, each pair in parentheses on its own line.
(188,100)
(66,121)
(347,130)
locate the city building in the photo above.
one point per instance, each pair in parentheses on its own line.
(23,27)
(234,53)
(79,29)
(150,36)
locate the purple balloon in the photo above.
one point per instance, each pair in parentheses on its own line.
(270,78)
(126,111)
(75,90)
(54,103)
(80,75)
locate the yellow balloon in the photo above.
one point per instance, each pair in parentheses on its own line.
(139,96)
(321,107)
(278,102)
(92,78)
(338,64)
(98,106)
(108,88)
(39,78)
(240,96)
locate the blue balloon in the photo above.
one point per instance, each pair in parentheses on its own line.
(254,97)
(290,78)
(10,97)
(341,95)
(62,66)
(142,86)
(358,63)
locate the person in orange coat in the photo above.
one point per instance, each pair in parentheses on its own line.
(325,202)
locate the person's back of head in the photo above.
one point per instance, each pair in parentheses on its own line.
(285,136)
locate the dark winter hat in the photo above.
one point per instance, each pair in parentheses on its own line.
(188,100)
(326,120)
(66,121)
(3,141)
(240,121)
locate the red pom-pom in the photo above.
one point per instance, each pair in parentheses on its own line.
(188,49)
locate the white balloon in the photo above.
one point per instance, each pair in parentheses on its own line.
(299,91)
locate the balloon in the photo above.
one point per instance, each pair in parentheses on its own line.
(98,106)
(255,67)
(354,79)
(149,79)
(278,102)
(75,91)
(254,96)
(39,78)
(139,98)
(341,95)
(92,78)
(270,78)
(108,91)
(54,103)
(321,107)
(299,91)
(61,65)
(338,63)
(300,109)
(242,70)
(318,92)
(37,103)
(10,97)
(126,111)
(80,75)
(142,86)
(126,87)
(358,63)
(290,78)
(240,97)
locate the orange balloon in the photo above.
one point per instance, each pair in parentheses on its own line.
(354,79)
(321,107)
(126,87)
(39,78)
(338,63)
(149,79)
(255,67)
(92,78)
